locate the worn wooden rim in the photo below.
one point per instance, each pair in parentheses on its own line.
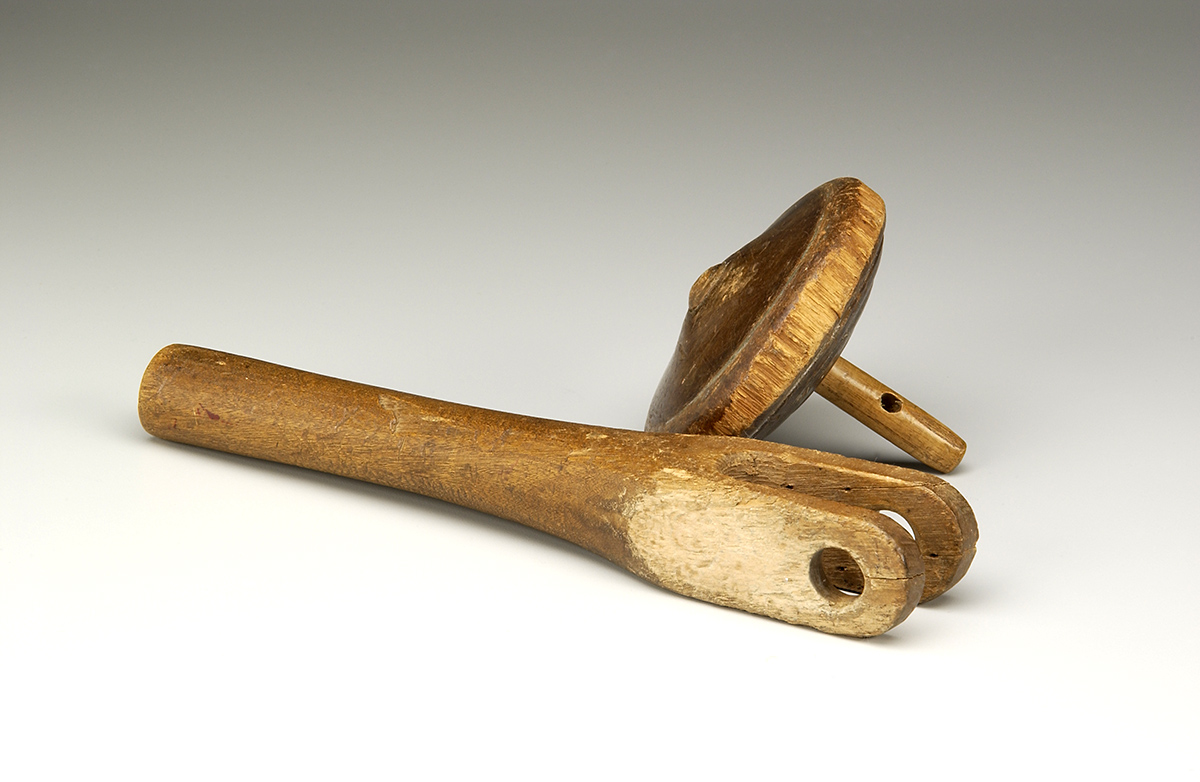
(793,294)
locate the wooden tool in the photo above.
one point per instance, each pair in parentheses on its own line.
(771,529)
(766,328)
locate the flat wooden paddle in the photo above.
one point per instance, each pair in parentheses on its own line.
(766,328)
(766,528)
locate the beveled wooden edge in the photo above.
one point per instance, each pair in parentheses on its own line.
(801,333)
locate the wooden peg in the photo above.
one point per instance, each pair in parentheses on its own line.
(766,328)
(725,520)
(895,418)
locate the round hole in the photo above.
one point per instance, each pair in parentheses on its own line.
(836,575)
(891,403)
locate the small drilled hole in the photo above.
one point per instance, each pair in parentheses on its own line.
(836,575)
(891,403)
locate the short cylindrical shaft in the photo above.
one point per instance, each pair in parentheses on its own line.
(890,415)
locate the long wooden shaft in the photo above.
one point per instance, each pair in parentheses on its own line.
(500,464)
(664,506)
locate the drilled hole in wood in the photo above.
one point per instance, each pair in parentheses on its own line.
(891,403)
(903,522)
(836,575)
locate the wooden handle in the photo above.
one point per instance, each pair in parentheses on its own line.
(663,506)
(885,412)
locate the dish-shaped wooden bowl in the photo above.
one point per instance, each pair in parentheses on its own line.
(767,327)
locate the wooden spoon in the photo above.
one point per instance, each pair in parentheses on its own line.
(716,518)
(766,328)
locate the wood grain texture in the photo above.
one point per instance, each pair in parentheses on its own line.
(725,520)
(942,521)
(889,414)
(766,327)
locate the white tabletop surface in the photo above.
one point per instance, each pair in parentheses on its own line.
(506,207)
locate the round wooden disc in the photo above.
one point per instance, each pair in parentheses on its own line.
(764,327)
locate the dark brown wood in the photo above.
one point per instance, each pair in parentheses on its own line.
(765,328)
(762,527)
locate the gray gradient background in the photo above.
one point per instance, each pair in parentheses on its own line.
(506,206)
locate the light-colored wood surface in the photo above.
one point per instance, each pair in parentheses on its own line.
(940,518)
(766,327)
(766,528)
